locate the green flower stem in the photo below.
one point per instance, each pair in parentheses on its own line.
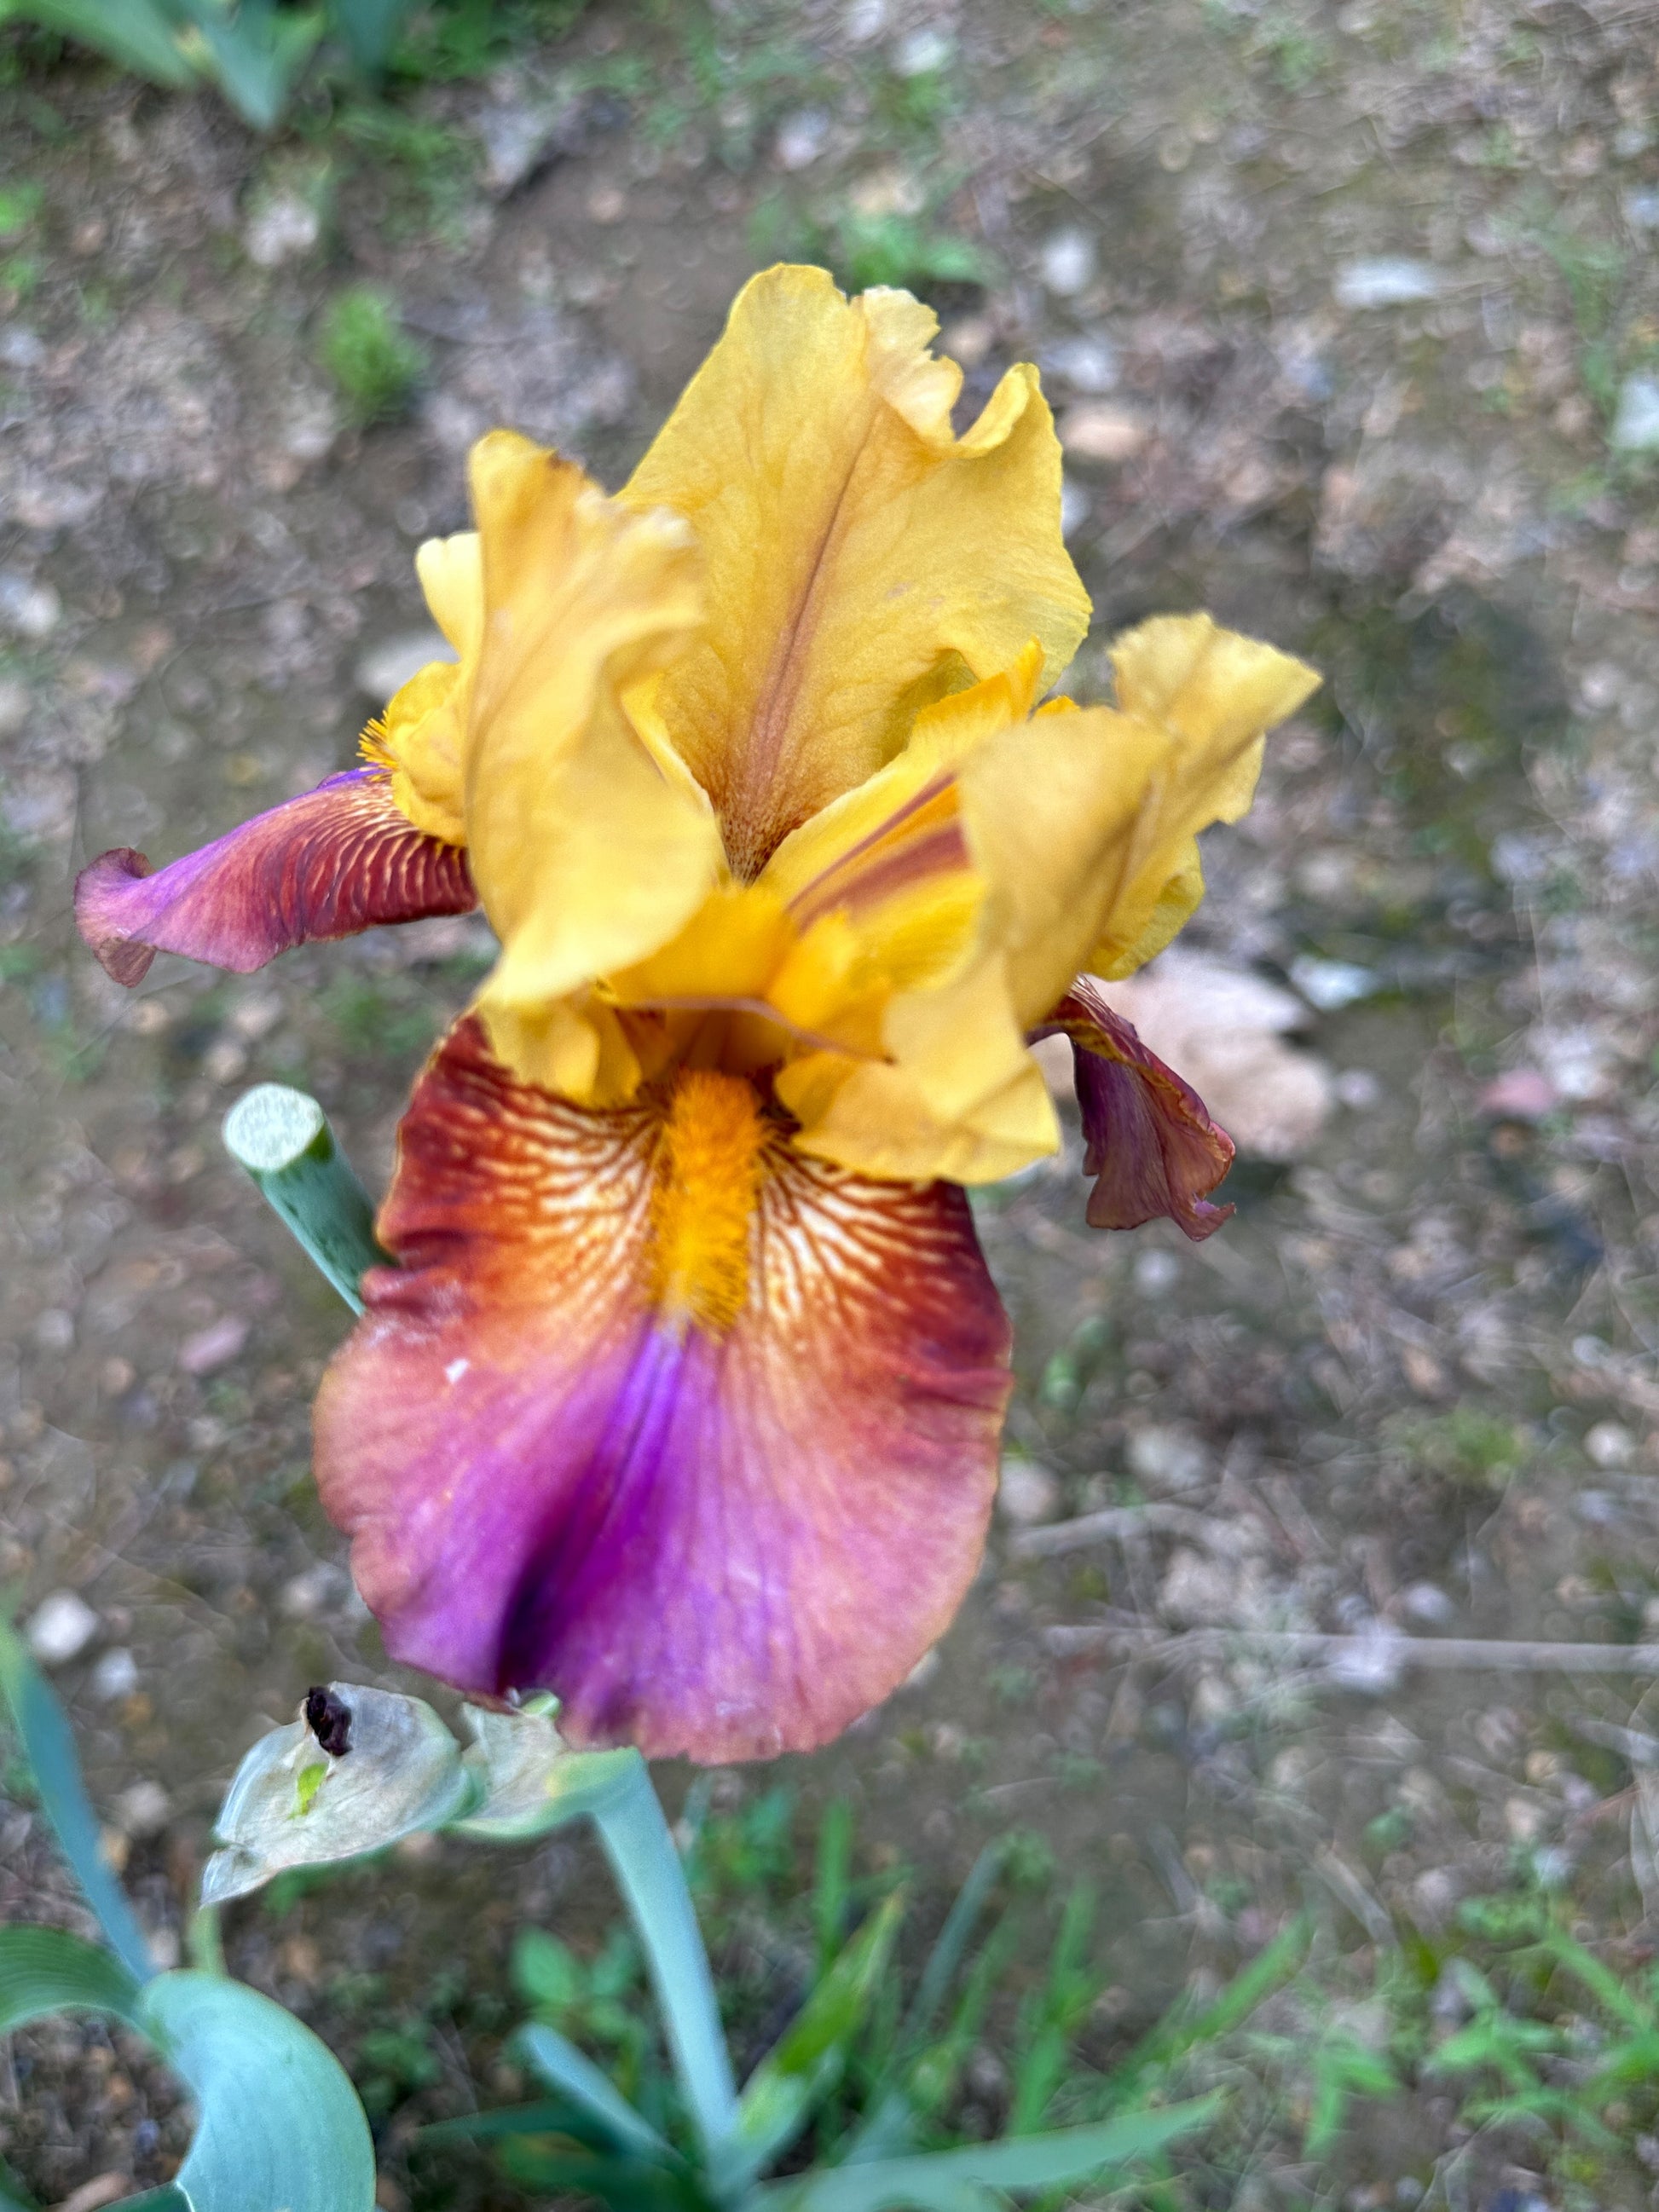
(653,1882)
(283,1140)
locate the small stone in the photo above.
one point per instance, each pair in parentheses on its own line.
(1642,208)
(1168,1457)
(1330,985)
(284,229)
(517,141)
(1156,1271)
(307,1594)
(1388,280)
(386,667)
(969,340)
(214,1346)
(865,20)
(1433,1895)
(1028,1492)
(1358,1088)
(16,705)
(54,1329)
(1522,1094)
(1427,1604)
(923,52)
(224,1061)
(1197,1592)
(22,347)
(801,138)
(923,1672)
(1068,262)
(143,1810)
(1636,425)
(256,1016)
(115,1675)
(29,609)
(1103,434)
(1086,364)
(606,203)
(1524,1820)
(1610,1444)
(60,1628)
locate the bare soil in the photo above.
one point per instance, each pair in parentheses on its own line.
(1412,1385)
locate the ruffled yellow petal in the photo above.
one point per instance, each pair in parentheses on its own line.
(858,557)
(1075,828)
(1177,902)
(451,570)
(959,1095)
(1216,693)
(586,855)
(419,737)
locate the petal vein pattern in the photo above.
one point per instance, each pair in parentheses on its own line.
(713,1529)
(860,559)
(333,862)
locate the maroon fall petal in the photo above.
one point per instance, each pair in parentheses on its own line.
(724,1539)
(1152,1149)
(335,860)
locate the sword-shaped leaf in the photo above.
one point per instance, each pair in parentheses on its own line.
(949,2180)
(279,2123)
(564,2067)
(45,1970)
(48,1747)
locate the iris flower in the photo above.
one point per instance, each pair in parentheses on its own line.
(685,1395)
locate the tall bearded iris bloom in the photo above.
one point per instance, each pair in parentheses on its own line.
(684,1398)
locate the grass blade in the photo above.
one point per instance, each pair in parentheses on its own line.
(808,2058)
(564,2067)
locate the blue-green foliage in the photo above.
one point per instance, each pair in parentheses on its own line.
(43,1731)
(278,2122)
(256,52)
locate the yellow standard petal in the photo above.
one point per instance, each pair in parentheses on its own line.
(587,855)
(859,559)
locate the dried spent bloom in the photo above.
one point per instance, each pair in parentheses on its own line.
(683,1400)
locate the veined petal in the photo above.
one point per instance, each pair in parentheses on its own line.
(958,1095)
(1153,1151)
(335,861)
(587,856)
(858,557)
(657,1415)
(1074,833)
(1084,823)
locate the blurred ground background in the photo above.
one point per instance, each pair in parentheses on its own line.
(1351,319)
